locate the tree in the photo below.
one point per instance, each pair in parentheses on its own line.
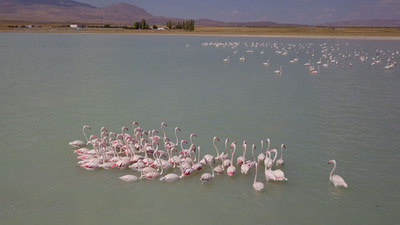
(136,25)
(143,24)
(169,24)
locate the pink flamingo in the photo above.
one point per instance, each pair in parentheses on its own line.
(337,180)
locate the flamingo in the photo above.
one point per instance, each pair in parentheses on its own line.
(279,175)
(192,146)
(152,174)
(226,161)
(207,177)
(215,147)
(79,143)
(337,180)
(278,71)
(197,166)
(171,177)
(280,161)
(269,174)
(208,157)
(224,155)
(129,178)
(261,156)
(267,162)
(219,168)
(315,71)
(258,186)
(241,159)
(226,59)
(162,128)
(244,168)
(232,169)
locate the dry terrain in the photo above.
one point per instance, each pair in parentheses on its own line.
(297,31)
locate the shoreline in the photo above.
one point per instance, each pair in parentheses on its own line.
(225,32)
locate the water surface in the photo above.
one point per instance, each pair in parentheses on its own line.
(53,84)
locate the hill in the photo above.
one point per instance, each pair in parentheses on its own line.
(72,11)
(69,11)
(365,23)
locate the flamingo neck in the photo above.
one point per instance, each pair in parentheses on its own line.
(255,175)
(176,137)
(276,154)
(233,153)
(215,146)
(83,130)
(333,169)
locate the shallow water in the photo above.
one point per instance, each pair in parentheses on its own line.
(53,84)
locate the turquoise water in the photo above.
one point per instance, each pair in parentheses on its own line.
(53,84)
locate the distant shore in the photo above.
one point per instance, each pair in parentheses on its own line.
(361,33)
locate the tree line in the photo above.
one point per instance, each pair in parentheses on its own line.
(181,25)
(142,24)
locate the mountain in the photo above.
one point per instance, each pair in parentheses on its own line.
(66,3)
(69,11)
(72,11)
(365,23)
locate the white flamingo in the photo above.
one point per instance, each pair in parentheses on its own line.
(244,168)
(232,169)
(267,162)
(224,155)
(197,166)
(209,158)
(241,159)
(269,174)
(207,177)
(219,168)
(129,178)
(79,143)
(278,71)
(261,156)
(226,59)
(171,177)
(258,186)
(280,161)
(337,180)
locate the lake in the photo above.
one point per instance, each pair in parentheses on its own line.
(349,110)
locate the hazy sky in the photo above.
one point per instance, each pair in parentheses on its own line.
(281,11)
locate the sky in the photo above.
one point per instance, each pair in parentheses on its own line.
(310,12)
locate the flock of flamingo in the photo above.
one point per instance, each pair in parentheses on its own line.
(318,56)
(157,157)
